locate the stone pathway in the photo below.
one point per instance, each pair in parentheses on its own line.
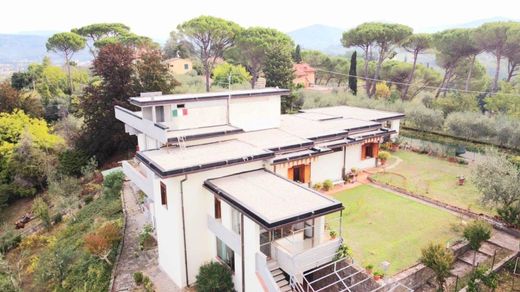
(132,259)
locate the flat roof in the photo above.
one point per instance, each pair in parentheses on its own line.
(300,125)
(194,97)
(269,199)
(274,139)
(356,113)
(202,132)
(172,161)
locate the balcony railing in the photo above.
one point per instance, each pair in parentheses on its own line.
(149,128)
(139,177)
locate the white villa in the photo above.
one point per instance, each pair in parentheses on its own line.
(228,178)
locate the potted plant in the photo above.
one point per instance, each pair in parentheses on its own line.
(383,156)
(462,179)
(369,268)
(377,276)
(333,234)
(354,173)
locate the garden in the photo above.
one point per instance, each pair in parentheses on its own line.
(435,178)
(382,226)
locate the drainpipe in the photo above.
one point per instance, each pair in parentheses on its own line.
(243,255)
(344,169)
(184,230)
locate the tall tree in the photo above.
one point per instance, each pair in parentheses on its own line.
(210,36)
(278,68)
(66,43)
(102,135)
(388,36)
(363,36)
(415,44)
(492,38)
(152,74)
(97,31)
(476,233)
(12,99)
(452,45)
(177,46)
(512,52)
(254,43)
(352,73)
(297,57)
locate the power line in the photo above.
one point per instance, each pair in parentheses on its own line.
(423,86)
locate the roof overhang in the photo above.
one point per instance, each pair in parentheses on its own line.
(271,200)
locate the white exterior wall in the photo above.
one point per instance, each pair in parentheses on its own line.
(353,158)
(327,166)
(200,241)
(200,114)
(395,125)
(255,113)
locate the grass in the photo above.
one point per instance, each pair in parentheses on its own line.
(382,226)
(435,178)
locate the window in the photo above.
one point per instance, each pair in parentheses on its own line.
(164,197)
(369,150)
(225,254)
(218,209)
(235,220)
(159,114)
(186,66)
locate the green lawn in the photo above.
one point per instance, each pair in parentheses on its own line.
(382,226)
(434,178)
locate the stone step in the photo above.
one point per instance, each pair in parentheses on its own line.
(276,272)
(282,283)
(279,277)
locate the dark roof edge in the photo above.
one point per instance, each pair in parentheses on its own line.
(208,135)
(258,219)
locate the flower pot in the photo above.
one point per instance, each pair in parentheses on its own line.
(461,181)
(369,271)
(377,277)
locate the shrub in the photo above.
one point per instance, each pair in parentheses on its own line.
(510,214)
(382,90)
(113,184)
(148,285)
(72,161)
(383,155)
(138,278)
(41,210)
(317,186)
(9,240)
(425,119)
(439,259)
(342,252)
(328,185)
(470,125)
(214,277)
(57,218)
(146,235)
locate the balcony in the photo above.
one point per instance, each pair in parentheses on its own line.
(135,172)
(137,122)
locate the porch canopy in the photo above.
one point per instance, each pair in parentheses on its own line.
(271,200)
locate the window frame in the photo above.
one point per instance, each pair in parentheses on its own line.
(164,195)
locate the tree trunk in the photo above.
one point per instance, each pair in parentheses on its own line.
(474,257)
(207,73)
(378,71)
(446,72)
(69,78)
(497,73)
(511,71)
(470,71)
(410,78)
(253,79)
(367,83)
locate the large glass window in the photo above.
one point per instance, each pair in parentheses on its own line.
(226,254)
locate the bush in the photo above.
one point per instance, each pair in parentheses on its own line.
(382,90)
(41,210)
(71,162)
(425,119)
(113,184)
(328,184)
(138,278)
(317,186)
(470,125)
(9,240)
(214,277)
(383,155)
(57,218)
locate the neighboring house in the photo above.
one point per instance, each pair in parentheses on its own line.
(304,74)
(179,66)
(227,179)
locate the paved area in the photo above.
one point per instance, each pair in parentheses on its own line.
(132,259)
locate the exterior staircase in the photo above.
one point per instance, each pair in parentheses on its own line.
(278,276)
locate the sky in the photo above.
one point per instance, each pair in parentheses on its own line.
(156,18)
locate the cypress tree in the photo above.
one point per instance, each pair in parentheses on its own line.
(297,56)
(352,78)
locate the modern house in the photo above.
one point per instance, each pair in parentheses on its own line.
(228,179)
(179,66)
(304,74)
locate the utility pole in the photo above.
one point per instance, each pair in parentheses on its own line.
(229,96)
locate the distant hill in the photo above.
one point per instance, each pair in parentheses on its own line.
(319,37)
(471,24)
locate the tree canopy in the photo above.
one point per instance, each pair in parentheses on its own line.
(210,36)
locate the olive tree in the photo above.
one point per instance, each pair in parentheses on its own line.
(440,260)
(210,36)
(476,233)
